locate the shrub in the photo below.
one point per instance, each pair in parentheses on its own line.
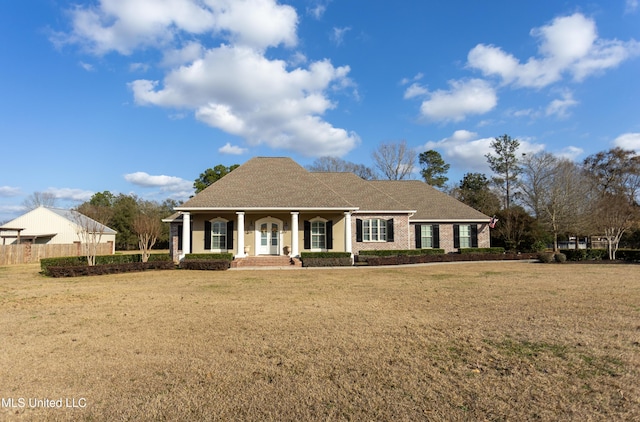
(86,270)
(597,254)
(545,257)
(421,259)
(205,264)
(401,252)
(538,246)
(629,255)
(326,259)
(560,258)
(482,250)
(208,256)
(78,261)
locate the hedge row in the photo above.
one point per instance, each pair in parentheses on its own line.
(205,264)
(423,259)
(208,256)
(326,259)
(585,254)
(76,261)
(401,252)
(85,270)
(464,251)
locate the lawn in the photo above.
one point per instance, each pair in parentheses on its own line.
(472,341)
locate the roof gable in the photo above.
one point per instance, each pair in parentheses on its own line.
(429,202)
(268,182)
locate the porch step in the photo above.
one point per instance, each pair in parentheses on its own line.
(265,261)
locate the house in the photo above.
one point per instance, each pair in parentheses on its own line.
(273,206)
(51,226)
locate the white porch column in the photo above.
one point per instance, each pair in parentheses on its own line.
(347,232)
(186,233)
(294,234)
(240,252)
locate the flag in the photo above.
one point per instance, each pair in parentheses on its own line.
(493,222)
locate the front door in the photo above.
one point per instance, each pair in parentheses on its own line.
(269,239)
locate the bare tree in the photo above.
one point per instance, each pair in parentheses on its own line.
(37,199)
(335,164)
(394,159)
(557,193)
(91,223)
(615,175)
(148,227)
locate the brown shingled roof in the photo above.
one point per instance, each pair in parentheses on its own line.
(430,203)
(268,182)
(362,193)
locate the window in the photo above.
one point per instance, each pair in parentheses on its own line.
(318,235)
(465,236)
(426,236)
(374,230)
(218,235)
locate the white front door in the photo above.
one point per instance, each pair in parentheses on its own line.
(269,243)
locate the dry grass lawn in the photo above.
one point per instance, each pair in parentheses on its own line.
(474,341)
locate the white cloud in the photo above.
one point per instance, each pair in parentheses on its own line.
(124,26)
(415,90)
(238,90)
(569,44)
(560,107)
(631,6)
(70,194)
(87,66)
(231,149)
(571,153)
(138,67)
(474,96)
(8,191)
(165,183)
(232,86)
(464,150)
(338,34)
(630,141)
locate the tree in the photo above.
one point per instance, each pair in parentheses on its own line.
(474,190)
(212,175)
(335,164)
(557,192)
(434,168)
(91,223)
(37,199)
(147,225)
(394,159)
(615,177)
(505,165)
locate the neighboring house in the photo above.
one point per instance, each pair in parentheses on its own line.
(273,206)
(50,226)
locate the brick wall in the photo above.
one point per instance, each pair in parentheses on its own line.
(401,235)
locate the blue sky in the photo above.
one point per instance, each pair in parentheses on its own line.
(141,96)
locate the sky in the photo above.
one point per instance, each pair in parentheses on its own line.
(141,96)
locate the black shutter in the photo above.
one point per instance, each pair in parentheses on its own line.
(390,230)
(474,235)
(180,237)
(307,235)
(456,235)
(418,236)
(329,233)
(435,233)
(230,236)
(207,235)
(358,230)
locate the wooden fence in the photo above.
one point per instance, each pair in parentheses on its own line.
(28,253)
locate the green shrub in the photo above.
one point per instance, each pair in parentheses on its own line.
(597,254)
(326,259)
(538,246)
(208,256)
(545,257)
(629,255)
(482,250)
(205,264)
(86,270)
(560,258)
(401,252)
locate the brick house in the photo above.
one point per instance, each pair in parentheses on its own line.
(273,206)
